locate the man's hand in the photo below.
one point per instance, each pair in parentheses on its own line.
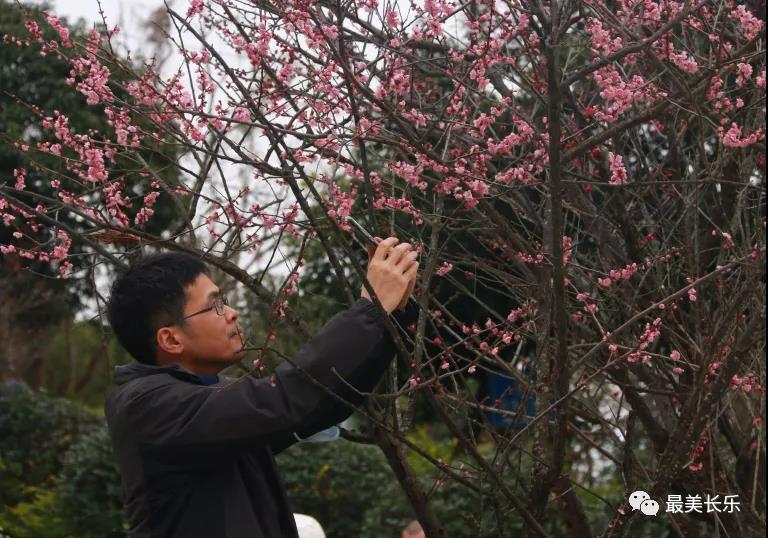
(392,269)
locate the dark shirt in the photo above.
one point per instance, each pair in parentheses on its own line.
(197,459)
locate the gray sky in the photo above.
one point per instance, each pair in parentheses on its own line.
(130,15)
(125,11)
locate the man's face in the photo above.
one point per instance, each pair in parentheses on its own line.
(208,338)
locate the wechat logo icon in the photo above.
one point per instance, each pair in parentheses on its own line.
(640,500)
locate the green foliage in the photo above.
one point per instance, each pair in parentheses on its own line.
(90,489)
(40,515)
(456,507)
(351,490)
(35,433)
(79,362)
(424,437)
(58,477)
(334,482)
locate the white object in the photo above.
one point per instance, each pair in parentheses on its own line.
(649,507)
(637,498)
(308,526)
(324,436)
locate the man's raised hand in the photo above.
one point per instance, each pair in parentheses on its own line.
(392,269)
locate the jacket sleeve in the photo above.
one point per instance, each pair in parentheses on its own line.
(251,411)
(364,379)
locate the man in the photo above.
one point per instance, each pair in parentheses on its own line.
(196,457)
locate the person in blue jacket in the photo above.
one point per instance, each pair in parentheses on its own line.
(195,453)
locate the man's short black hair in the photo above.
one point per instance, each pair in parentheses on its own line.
(149,295)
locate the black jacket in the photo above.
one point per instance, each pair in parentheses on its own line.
(197,460)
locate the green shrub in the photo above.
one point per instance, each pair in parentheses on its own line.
(351,490)
(58,477)
(40,515)
(36,430)
(89,487)
(336,483)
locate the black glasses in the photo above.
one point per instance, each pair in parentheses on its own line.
(217,306)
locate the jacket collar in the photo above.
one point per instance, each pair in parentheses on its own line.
(136,370)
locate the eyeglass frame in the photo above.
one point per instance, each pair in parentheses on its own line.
(219,302)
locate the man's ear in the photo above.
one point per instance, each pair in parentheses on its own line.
(168,342)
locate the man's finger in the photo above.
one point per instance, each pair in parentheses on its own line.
(412,279)
(384,248)
(397,254)
(404,264)
(411,274)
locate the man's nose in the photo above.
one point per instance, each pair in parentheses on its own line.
(230,313)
